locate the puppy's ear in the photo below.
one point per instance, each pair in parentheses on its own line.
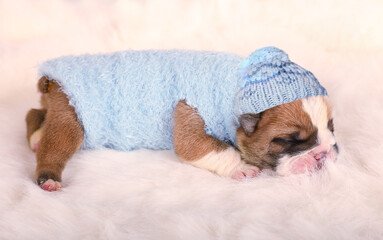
(249,122)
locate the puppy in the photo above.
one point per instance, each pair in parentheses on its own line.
(220,112)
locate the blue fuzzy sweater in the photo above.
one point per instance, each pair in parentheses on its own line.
(125,100)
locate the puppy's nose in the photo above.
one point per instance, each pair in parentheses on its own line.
(321,156)
(321,152)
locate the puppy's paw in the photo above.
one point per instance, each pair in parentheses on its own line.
(34,140)
(245,171)
(49,185)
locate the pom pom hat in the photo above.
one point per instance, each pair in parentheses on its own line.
(269,79)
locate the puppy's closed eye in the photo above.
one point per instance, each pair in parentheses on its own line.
(284,141)
(291,139)
(295,143)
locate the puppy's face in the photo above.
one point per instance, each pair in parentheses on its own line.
(291,138)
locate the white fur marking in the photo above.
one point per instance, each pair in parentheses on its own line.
(316,108)
(225,163)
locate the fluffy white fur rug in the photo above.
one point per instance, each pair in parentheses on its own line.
(151,195)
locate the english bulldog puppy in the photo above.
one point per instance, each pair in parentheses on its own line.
(231,115)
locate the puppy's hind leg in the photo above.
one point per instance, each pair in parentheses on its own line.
(194,146)
(35,117)
(61,138)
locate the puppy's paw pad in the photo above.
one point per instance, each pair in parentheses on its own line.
(246,172)
(35,146)
(34,140)
(50,185)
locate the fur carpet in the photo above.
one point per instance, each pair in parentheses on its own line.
(151,195)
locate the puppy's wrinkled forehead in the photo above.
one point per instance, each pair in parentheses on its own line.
(289,118)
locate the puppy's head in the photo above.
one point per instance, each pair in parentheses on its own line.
(290,138)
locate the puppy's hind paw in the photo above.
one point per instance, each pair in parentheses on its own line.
(34,140)
(49,185)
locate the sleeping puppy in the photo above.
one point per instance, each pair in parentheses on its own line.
(218,111)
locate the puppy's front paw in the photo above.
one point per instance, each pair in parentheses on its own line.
(246,171)
(49,185)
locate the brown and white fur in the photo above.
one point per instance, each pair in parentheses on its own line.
(291,138)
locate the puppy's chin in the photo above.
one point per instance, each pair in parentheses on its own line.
(292,138)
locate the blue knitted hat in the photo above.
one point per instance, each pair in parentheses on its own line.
(269,79)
